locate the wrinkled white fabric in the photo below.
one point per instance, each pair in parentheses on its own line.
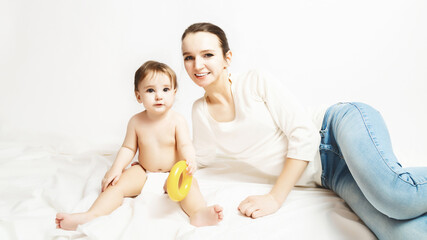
(37,182)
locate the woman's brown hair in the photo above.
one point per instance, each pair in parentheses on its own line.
(210,28)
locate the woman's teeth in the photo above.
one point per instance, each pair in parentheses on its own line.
(201,75)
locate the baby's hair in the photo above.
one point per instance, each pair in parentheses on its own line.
(151,67)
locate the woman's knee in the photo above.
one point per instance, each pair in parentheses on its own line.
(415,228)
(359,108)
(397,205)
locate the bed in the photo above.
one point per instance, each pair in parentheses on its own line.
(67,70)
(37,181)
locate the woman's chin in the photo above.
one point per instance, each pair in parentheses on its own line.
(202,82)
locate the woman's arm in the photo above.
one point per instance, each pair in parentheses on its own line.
(261,205)
(291,173)
(303,141)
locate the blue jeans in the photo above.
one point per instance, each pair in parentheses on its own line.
(359,165)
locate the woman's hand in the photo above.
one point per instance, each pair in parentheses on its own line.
(259,206)
(191,166)
(112,176)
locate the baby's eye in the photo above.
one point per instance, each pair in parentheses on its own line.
(166,89)
(150,90)
(188,58)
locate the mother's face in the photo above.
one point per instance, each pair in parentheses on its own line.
(203,58)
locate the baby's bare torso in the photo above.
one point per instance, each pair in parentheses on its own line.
(156,143)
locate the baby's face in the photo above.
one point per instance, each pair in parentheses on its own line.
(156,93)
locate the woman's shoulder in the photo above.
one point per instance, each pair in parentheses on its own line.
(254,76)
(255,81)
(198,103)
(198,106)
(248,74)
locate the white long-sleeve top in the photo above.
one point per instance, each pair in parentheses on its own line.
(269,125)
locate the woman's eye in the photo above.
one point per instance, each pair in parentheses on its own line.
(187,58)
(150,90)
(209,55)
(166,89)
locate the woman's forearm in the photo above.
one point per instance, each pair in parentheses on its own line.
(291,173)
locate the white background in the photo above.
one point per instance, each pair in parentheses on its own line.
(67,67)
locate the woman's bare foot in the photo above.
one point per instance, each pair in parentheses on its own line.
(71,221)
(208,216)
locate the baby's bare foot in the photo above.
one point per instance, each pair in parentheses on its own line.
(71,221)
(208,216)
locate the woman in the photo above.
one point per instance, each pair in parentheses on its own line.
(251,119)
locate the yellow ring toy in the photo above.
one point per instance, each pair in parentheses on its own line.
(178,193)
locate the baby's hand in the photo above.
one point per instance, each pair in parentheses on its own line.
(111,177)
(191,167)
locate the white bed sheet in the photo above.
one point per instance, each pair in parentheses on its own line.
(37,182)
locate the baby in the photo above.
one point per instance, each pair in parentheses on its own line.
(162,138)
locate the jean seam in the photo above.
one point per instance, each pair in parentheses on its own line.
(379,152)
(329,148)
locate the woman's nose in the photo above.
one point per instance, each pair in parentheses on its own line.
(198,63)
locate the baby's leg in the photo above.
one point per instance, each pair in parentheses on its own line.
(130,184)
(196,208)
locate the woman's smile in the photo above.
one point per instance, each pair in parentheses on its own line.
(201,75)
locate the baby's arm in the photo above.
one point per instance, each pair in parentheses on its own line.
(184,144)
(126,153)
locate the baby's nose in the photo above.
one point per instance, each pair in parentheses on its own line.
(159,96)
